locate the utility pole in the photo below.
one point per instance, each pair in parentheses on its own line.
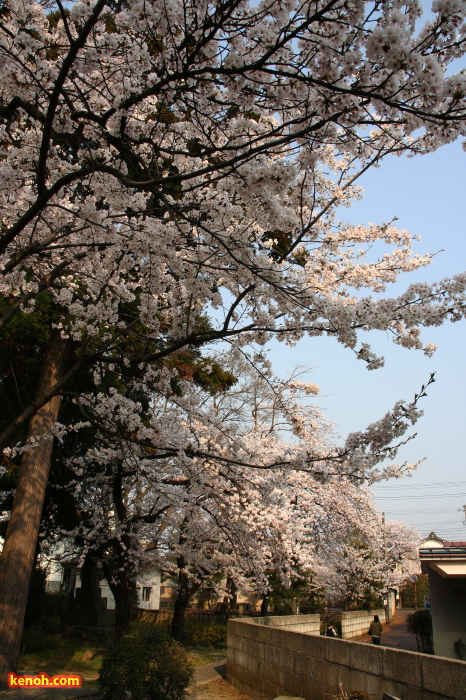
(413,580)
(385,536)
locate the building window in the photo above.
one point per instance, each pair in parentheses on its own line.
(146,593)
(69,579)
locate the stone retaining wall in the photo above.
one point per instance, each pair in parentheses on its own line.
(356,622)
(266,661)
(299,623)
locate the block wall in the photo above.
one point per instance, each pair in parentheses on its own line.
(356,622)
(300,623)
(265,662)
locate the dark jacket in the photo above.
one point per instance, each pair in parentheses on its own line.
(375,630)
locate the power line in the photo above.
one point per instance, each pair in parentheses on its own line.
(436,495)
(423,510)
(448,525)
(446,532)
(449,521)
(439,528)
(430,485)
(440,518)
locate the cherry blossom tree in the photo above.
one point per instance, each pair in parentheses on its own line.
(401,551)
(161,161)
(197,517)
(368,557)
(244,513)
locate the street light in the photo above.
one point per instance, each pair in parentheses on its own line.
(413,579)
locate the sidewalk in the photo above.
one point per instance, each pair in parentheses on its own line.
(395,634)
(218,690)
(209,684)
(210,672)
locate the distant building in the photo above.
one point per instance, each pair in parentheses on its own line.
(98,609)
(445,564)
(228,596)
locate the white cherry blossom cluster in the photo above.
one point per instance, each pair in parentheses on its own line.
(369,554)
(171,177)
(243,483)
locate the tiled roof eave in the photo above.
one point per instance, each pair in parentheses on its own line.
(443,553)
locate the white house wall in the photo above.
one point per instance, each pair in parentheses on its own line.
(448,598)
(54,577)
(152,580)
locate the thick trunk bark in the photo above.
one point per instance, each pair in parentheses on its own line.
(17,559)
(124,603)
(264,606)
(123,587)
(181,603)
(183,597)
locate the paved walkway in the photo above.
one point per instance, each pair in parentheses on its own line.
(395,634)
(210,672)
(218,690)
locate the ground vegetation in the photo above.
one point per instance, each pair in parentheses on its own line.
(171,175)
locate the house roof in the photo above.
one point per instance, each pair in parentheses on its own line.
(444,543)
(448,562)
(432,540)
(453,552)
(454,544)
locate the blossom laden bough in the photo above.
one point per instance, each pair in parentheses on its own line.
(191,155)
(171,176)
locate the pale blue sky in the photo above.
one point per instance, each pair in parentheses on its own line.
(427,194)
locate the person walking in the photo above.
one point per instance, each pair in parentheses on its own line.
(330,631)
(375,630)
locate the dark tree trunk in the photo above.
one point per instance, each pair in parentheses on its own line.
(124,595)
(120,574)
(123,587)
(264,606)
(185,591)
(183,598)
(17,559)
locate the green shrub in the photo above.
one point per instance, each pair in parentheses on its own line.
(54,604)
(34,639)
(147,664)
(408,599)
(202,635)
(420,624)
